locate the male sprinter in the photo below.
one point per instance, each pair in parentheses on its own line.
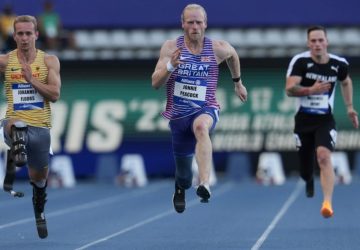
(32,81)
(311,77)
(188,65)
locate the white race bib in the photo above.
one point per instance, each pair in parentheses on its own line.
(25,97)
(315,101)
(190,92)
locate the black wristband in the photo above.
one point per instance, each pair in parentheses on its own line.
(237,79)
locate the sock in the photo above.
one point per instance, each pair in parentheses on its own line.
(40,184)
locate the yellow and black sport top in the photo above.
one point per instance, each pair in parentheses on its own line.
(23,100)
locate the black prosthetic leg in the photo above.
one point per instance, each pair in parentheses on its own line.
(18,147)
(10,176)
(39,200)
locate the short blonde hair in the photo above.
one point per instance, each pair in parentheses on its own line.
(194,6)
(25,19)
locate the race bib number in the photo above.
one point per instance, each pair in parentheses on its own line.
(315,101)
(315,104)
(194,90)
(25,97)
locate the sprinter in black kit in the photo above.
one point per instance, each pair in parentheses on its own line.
(312,77)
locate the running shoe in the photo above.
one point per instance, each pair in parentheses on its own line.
(309,188)
(326,210)
(179,199)
(203,192)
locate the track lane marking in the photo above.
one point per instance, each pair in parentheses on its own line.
(85,206)
(293,196)
(194,202)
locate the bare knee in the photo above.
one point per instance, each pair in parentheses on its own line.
(201,129)
(323,157)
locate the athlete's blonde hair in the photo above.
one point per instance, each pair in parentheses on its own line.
(25,19)
(193,6)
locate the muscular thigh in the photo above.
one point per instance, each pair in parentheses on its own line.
(183,138)
(210,116)
(326,136)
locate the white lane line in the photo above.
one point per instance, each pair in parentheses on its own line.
(223,189)
(294,195)
(88,205)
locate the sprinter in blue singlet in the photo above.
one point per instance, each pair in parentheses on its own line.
(188,66)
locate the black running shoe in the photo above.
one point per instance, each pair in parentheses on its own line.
(39,200)
(309,188)
(179,199)
(204,193)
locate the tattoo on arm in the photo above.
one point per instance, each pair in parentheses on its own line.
(298,90)
(233,63)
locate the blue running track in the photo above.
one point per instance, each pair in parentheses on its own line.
(242,215)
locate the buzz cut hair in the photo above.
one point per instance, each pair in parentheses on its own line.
(193,6)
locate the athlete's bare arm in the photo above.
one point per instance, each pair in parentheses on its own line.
(347,93)
(51,90)
(293,87)
(169,53)
(225,52)
(3,62)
